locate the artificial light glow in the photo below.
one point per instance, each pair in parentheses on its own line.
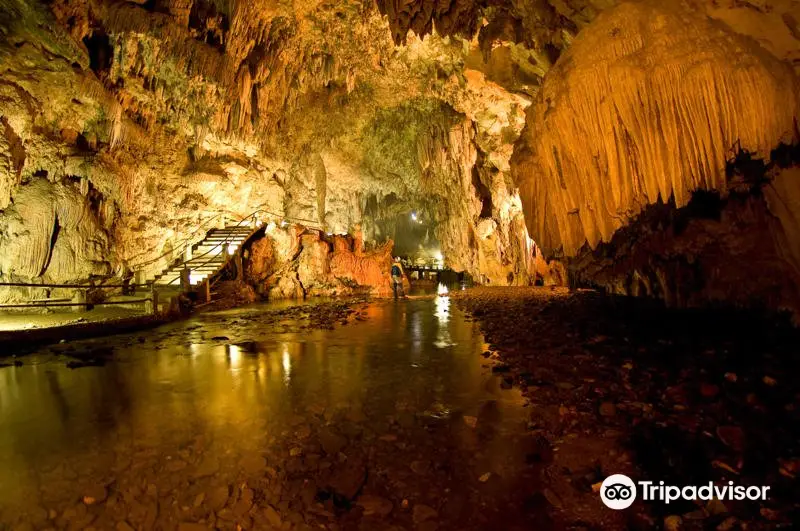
(234,356)
(438,256)
(270,227)
(286,361)
(413,216)
(231,248)
(195,278)
(284,223)
(442,290)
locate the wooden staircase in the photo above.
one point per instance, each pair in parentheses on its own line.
(206,257)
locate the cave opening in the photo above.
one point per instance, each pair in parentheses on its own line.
(101,53)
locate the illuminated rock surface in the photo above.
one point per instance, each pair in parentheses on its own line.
(173,116)
(647,104)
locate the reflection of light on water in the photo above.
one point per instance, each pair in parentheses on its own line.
(443,315)
(234,356)
(416,332)
(442,289)
(286,360)
(442,308)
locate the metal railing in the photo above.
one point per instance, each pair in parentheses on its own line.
(81,296)
(250,218)
(152,300)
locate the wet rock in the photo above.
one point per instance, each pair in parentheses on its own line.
(673,523)
(124,526)
(470,421)
(218,497)
(554,499)
(420,467)
(272,516)
(709,390)
(348,478)
(608,409)
(253,464)
(732,436)
(95,494)
(375,505)
(198,500)
(77,364)
(192,526)
(715,507)
(422,513)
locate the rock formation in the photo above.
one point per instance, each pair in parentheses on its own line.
(129,128)
(294,262)
(173,116)
(652,103)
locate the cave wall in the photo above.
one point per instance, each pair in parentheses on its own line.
(652,106)
(172,117)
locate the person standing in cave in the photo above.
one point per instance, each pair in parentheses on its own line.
(397,279)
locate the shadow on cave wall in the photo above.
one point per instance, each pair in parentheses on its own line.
(712,250)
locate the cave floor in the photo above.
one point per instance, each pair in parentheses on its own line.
(622,385)
(338,415)
(397,415)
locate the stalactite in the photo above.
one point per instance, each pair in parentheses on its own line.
(648,103)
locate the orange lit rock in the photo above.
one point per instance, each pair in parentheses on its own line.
(648,103)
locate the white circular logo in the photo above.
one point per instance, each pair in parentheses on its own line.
(618,491)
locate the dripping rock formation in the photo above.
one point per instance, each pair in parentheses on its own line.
(506,136)
(657,104)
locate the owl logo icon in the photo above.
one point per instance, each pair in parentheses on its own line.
(618,492)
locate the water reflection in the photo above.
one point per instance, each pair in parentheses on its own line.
(234,354)
(286,361)
(231,399)
(442,314)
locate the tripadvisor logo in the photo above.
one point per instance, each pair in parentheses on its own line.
(619,492)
